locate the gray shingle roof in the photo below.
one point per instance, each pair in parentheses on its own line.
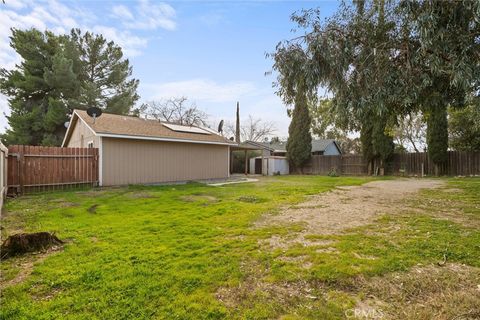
(321,145)
(138,127)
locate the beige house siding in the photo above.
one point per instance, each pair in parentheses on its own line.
(81,136)
(131,161)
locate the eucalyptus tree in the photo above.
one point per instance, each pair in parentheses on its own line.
(339,55)
(384,60)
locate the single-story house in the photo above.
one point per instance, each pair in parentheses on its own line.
(134,150)
(325,147)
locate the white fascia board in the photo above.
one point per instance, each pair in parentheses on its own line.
(124,136)
(100,162)
(88,126)
(69,128)
(228,166)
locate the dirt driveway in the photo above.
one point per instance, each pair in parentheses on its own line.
(347,207)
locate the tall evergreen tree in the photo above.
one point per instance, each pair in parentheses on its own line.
(437,133)
(299,143)
(105,74)
(382,142)
(237,124)
(377,143)
(38,88)
(59,73)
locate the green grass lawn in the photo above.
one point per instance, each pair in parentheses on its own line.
(190,252)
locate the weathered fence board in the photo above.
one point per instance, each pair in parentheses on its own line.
(33,168)
(459,163)
(3,173)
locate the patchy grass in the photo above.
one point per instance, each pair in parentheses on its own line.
(190,252)
(143,252)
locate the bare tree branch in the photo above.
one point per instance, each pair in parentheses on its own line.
(251,129)
(175,110)
(411,132)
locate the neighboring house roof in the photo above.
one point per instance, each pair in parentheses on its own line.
(113,125)
(318,145)
(322,144)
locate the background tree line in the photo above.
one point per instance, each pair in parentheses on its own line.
(383,61)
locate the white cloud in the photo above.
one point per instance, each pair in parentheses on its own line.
(202,90)
(15,4)
(219,100)
(122,12)
(147,16)
(4,110)
(130,44)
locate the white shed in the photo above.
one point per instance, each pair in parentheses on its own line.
(269,165)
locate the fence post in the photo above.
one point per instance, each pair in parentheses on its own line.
(21,168)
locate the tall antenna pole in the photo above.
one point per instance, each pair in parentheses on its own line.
(237,127)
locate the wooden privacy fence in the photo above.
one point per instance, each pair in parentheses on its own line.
(3,173)
(342,164)
(32,168)
(459,163)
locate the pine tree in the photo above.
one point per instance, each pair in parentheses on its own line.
(104,74)
(38,89)
(299,143)
(59,74)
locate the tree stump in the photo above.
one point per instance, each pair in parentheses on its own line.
(22,243)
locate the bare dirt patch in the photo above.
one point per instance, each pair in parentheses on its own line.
(63,203)
(255,288)
(25,265)
(140,195)
(425,292)
(349,207)
(446,208)
(277,242)
(94,192)
(199,197)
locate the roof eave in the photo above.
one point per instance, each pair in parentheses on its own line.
(151,138)
(68,134)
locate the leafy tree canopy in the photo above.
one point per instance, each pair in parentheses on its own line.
(324,126)
(464,128)
(383,60)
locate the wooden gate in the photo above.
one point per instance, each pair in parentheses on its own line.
(33,168)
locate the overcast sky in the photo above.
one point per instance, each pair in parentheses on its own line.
(212,52)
